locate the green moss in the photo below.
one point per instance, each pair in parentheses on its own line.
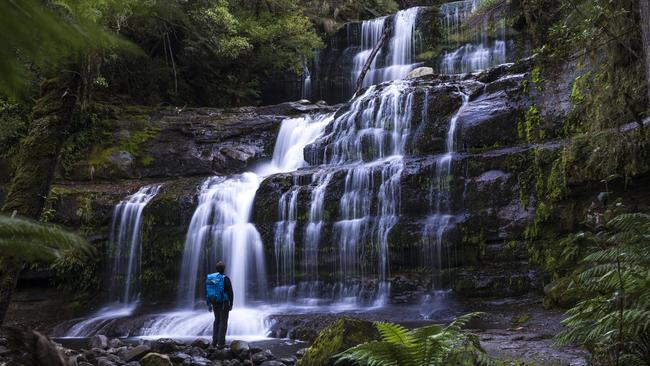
(520,319)
(536,77)
(425,56)
(338,337)
(147,160)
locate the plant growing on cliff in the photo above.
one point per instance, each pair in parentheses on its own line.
(27,242)
(430,345)
(613,322)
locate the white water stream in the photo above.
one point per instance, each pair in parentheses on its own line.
(221,230)
(125,261)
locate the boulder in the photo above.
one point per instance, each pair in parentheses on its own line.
(341,335)
(164,345)
(221,354)
(239,347)
(289,361)
(420,71)
(136,353)
(99,341)
(301,353)
(155,359)
(179,357)
(115,343)
(262,356)
(197,361)
(272,363)
(104,361)
(198,352)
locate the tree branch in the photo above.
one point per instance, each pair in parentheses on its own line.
(372,56)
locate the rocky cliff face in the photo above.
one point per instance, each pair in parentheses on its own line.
(179,142)
(480,252)
(485,212)
(185,147)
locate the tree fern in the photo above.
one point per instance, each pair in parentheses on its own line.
(426,346)
(613,322)
(29,241)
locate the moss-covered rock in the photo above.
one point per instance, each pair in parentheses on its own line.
(165,223)
(338,337)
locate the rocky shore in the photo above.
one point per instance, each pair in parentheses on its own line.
(102,351)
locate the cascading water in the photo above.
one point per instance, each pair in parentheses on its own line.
(478,54)
(398,61)
(126,255)
(220,229)
(313,237)
(305,92)
(125,237)
(368,143)
(285,244)
(441,218)
(371,31)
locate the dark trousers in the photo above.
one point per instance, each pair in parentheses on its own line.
(220,323)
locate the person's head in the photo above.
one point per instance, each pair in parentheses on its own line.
(221,267)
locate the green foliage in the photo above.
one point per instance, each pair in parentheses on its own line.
(603,37)
(27,241)
(33,33)
(77,274)
(599,40)
(430,345)
(613,322)
(13,126)
(214,52)
(520,319)
(329,14)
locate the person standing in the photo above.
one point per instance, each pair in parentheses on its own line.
(219,298)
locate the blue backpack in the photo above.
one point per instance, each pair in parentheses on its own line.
(214,288)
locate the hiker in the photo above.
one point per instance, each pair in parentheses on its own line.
(219,297)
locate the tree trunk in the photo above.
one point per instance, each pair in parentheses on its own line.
(644,14)
(372,56)
(52,118)
(9,273)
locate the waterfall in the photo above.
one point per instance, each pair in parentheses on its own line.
(220,229)
(125,239)
(305,92)
(441,219)
(125,261)
(284,242)
(313,234)
(371,31)
(369,140)
(478,54)
(399,59)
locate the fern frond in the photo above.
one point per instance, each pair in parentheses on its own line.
(35,242)
(377,353)
(630,222)
(394,334)
(461,321)
(424,332)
